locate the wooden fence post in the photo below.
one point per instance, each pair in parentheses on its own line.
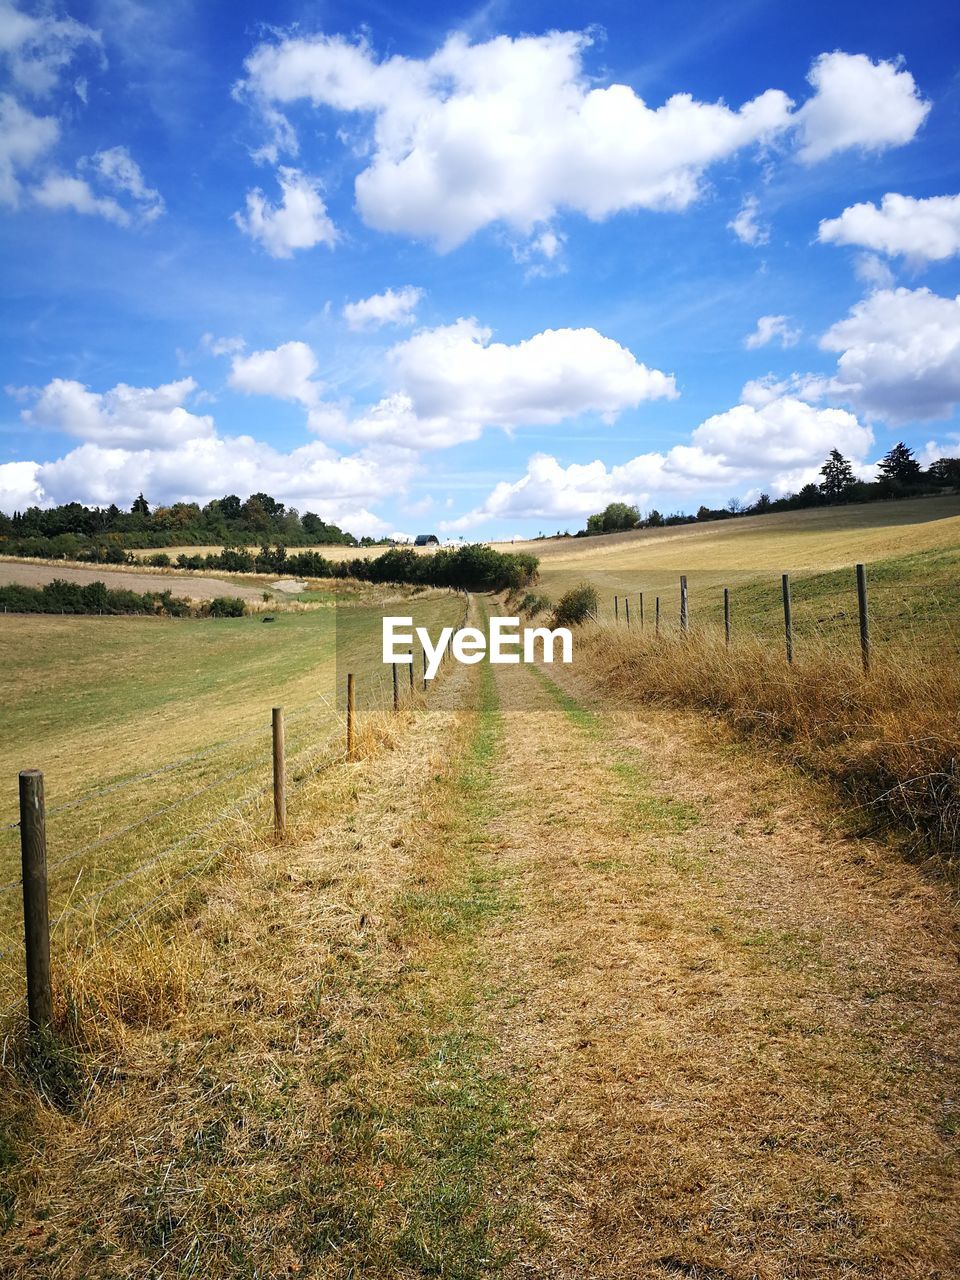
(350,712)
(396,688)
(863,606)
(726,615)
(410,672)
(787,617)
(279,776)
(626,606)
(424,656)
(641,610)
(657,632)
(36,918)
(616,611)
(684,605)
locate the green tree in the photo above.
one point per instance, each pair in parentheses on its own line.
(900,465)
(838,478)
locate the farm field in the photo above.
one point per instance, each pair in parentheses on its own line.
(550,991)
(911,548)
(560,978)
(129,716)
(197,586)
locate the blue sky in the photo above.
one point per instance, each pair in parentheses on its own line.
(474,270)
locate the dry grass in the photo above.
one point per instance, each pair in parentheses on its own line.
(738,1021)
(890,739)
(310,1092)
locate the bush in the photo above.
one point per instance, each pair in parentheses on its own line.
(532,604)
(158,561)
(576,606)
(227,607)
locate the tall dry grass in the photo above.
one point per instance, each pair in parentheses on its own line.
(889,739)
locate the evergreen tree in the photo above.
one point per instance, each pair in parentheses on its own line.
(838,478)
(140,506)
(900,465)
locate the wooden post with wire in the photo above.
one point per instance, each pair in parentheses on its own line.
(726,615)
(36,916)
(787,617)
(863,606)
(641,610)
(657,632)
(410,673)
(684,605)
(350,715)
(423,653)
(396,688)
(279,776)
(626,607)
(616,611)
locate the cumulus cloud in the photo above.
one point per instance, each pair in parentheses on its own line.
(62,191)
(390,307)
(872,271)
(512,130)
(300,221)
(926,230)
(746,227)
(858,104)
(780,443)
(125,416)
(37,47)
(137,438)
(770,329)
(447,384)
(899,354)
(24,138)
(286,372)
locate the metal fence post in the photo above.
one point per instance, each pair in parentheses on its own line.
(684,605)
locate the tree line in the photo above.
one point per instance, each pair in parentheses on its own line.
(469,568)
(95,597)
(102,535)
(900,476)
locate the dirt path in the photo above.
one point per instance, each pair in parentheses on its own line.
(740,1027)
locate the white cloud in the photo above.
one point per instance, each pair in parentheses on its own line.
(390,307)
(872,271)
(36,48)
(286,372)
(506,131)
(858,104)
(899,354)
(745,225)
(447,384)
(61,191)
(124,416)
(300,221)
(512,130)
(222,346)
(458,373)
(769,329)
(779,443)
(24,137)
(925,230)
(20,486)
(118,168)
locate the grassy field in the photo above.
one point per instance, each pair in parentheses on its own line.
(911,548)
(97,703)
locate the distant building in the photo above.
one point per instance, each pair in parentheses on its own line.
(426,540)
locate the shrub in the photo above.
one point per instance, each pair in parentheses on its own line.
(532,604)
(158,561)
(227,607)
(576,606)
